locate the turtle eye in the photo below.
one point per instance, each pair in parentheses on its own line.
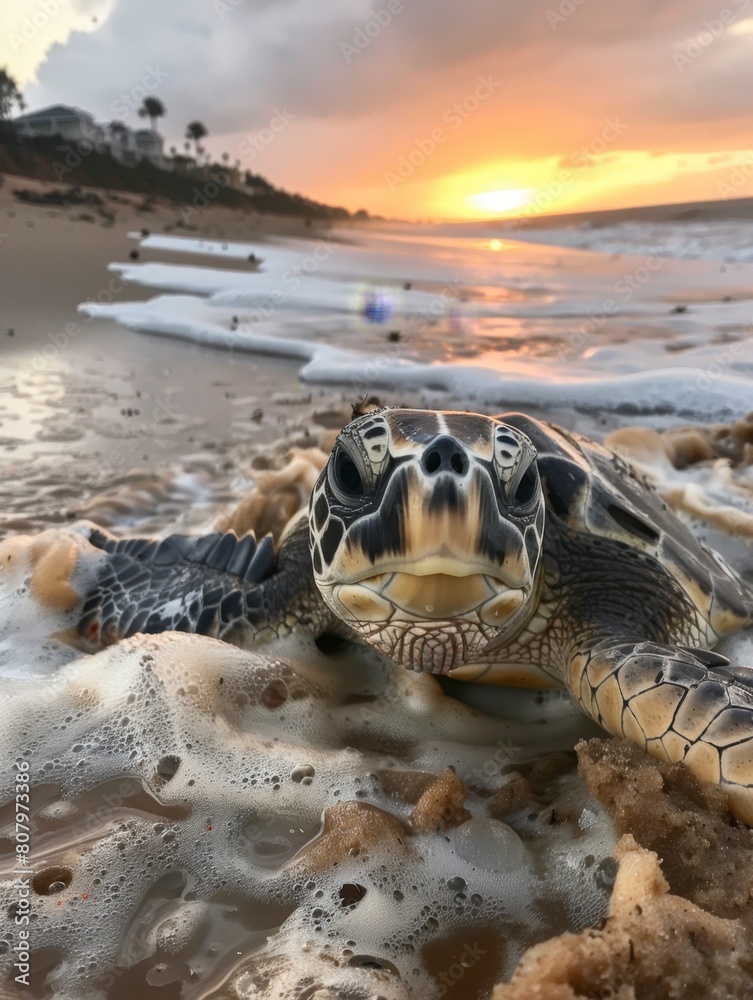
(346,475)
(526,488)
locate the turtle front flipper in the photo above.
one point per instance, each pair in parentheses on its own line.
(668,702)
(231,588)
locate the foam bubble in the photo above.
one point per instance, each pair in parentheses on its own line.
(295,824)
(196,822)
(493,845)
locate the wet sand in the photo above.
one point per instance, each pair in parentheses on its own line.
(102,422)
(84,403)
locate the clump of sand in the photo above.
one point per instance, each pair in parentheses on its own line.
(707,856)
(286,475)
(700,471)
(653,945)
(683,447)
(277,496)
(680,921)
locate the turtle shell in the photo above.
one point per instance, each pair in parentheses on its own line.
(593,490)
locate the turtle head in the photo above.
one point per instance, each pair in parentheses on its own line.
(426,531)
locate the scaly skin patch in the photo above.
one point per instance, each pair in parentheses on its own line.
(625,596)
(498,549)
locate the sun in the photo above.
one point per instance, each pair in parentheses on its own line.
(506,200)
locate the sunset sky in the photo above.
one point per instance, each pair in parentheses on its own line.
(422,108)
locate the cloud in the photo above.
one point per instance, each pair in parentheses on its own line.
(233,59)
(372,77)
(28,29)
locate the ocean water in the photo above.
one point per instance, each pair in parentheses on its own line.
(311,824)
(491,321)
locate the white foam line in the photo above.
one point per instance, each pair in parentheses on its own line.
(389,261)
(725,240)
(214,248)
(293,291)
(150,317)
(664,391)
(181,277)
(289,290)
(287,257)
(687,392)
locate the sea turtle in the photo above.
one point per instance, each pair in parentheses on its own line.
(495,549)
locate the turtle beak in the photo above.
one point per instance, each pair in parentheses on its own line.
(435,556)
(440,550)
(439,520)
(435,597)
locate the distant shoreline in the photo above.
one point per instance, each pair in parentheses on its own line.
(55,161)
(691,211)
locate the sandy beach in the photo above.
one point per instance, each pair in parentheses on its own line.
(85,406)
(406,838)
(376,500)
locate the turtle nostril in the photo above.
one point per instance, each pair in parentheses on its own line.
(445,455)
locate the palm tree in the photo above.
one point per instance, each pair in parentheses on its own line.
(152,108)
(196,131)
(9,95)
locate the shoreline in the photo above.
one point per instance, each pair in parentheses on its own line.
(84,403)
(88,405)
(148,434)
